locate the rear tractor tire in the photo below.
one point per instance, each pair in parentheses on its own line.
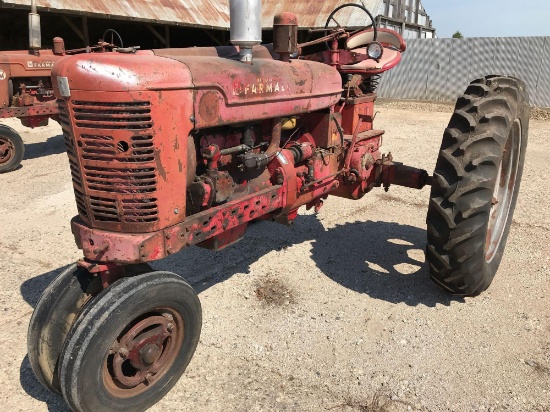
(476,184)
(12,149)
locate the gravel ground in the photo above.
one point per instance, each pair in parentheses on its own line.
(336,313)
(537,113)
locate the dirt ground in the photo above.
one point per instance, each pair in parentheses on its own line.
(336,313)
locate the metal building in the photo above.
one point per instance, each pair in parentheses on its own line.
(407,17)
(180,23)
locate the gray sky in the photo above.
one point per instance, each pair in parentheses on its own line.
(489,18)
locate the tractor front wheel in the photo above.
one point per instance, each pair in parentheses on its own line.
(56,311)
(12,149)
(476,184)
(131,344)
(53,316)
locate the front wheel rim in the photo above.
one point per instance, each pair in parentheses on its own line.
(7,150)
(503,193)
(143,353)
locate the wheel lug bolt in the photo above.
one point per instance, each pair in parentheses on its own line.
(170,326)
(168,316)
(149,378)
(123,352)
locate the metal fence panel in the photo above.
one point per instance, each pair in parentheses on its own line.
(532,64)
(416,75)
(483,60)
(458,76)
(540,93)
(440,69)
(400,77)
(506,52)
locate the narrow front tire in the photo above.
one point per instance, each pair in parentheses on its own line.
(131,344)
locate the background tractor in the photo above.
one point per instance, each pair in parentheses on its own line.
(178,147)
(26,90)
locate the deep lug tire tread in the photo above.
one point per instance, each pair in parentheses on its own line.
(464,180)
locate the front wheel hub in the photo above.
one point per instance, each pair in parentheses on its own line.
(7,150)
(150,354)
(144,352)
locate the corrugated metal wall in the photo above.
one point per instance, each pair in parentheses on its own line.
(441,69)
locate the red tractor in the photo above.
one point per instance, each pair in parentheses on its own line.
(178,147)
(26,90)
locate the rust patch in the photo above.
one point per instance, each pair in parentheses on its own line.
(209,108)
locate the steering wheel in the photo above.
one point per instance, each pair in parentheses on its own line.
(113,32)
(337,9)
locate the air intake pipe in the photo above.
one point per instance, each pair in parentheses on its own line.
(245,26)
(35,37)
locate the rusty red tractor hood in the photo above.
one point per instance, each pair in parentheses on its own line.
(225,91)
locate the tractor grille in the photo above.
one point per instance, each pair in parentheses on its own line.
(127,115)
(103,148)
(71,152)
(112,160)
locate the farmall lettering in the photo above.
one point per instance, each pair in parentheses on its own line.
(3,75)
(40,65)
(262,86)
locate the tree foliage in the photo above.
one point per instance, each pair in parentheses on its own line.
(458,35)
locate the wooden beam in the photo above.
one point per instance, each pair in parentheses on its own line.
(73,26)
(214,39)
(167,35)
(156,34)
(85,31)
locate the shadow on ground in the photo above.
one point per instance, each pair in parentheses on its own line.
(53,145)
(30,384)
(383,260)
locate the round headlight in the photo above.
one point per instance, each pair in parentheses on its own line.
(375,50)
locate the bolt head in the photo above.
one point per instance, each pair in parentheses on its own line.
(123,352)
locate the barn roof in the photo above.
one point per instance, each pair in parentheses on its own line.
(200,13)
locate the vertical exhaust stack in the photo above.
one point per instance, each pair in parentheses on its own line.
(35,37)
(245,26)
